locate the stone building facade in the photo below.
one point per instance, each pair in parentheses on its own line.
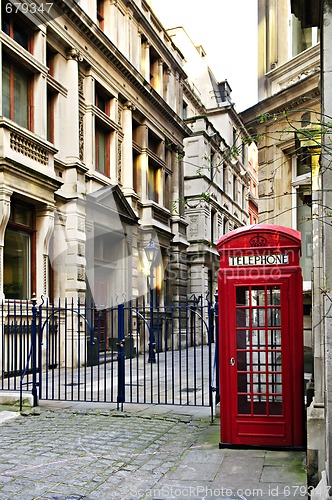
(287,125)
(91,123)
(97,112)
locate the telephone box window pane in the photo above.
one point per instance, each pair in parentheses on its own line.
(242,296)
(259,378)
(260,408)
(242,317)
(275,386)
(274,360)
(275,379)
(259,388)
(258,361)
(258,317)
(244,405)
(258,339)
(275,408)
(274,337)
(273,316)
(243,361)
(242,339)
(273,296)
(243,382)
(258,297)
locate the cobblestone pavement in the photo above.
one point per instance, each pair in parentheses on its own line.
(96,452)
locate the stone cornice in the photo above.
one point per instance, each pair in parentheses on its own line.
(115,58)
(299,93)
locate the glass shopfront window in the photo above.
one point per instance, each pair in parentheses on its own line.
(18,250)
(17,265)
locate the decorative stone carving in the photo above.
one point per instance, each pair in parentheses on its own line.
(81,273)
(129,105)
(81,84)
(26,147)
(193,227)
(81,135)
(120,109)
(75,55)
(45,274)
(119,162)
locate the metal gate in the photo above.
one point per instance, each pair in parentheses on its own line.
(125,353)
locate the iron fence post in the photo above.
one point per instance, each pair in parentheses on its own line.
(152,340)
(121,357)
(34,350)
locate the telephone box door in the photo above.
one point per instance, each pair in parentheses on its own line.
(261,337)
(260,385)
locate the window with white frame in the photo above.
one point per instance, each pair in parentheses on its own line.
(301,38)
(302,217)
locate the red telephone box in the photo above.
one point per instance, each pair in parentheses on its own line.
(261,337)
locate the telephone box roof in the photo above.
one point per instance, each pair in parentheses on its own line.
(260,236)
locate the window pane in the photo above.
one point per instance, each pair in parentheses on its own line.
(273,296)
(21,36)
(153,184)
(258,317)
(242,317)
(243,339)
(16,264)
(6,89)
(100,151)
(15,107)
(274,337)
(258,339)
(22,215)
(304,225)
(258,297)
(244,405)
(242,296)
(21,97)
(273,316)
(303,164)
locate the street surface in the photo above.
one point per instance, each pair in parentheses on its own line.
(93,451)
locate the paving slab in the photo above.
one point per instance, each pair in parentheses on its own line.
(94,452)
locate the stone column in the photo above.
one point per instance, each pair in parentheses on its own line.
(45,227)
(144,162)
(58,257)
(75,275)
(5,195)
(40,86)
(72,106)
(127,150)
(89,143)
(160,78)
(168,86)
(146,61)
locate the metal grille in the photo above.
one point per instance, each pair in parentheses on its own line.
(124,353)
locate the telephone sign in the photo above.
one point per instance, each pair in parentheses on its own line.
(261,337)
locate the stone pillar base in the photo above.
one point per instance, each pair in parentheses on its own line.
(316,443)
